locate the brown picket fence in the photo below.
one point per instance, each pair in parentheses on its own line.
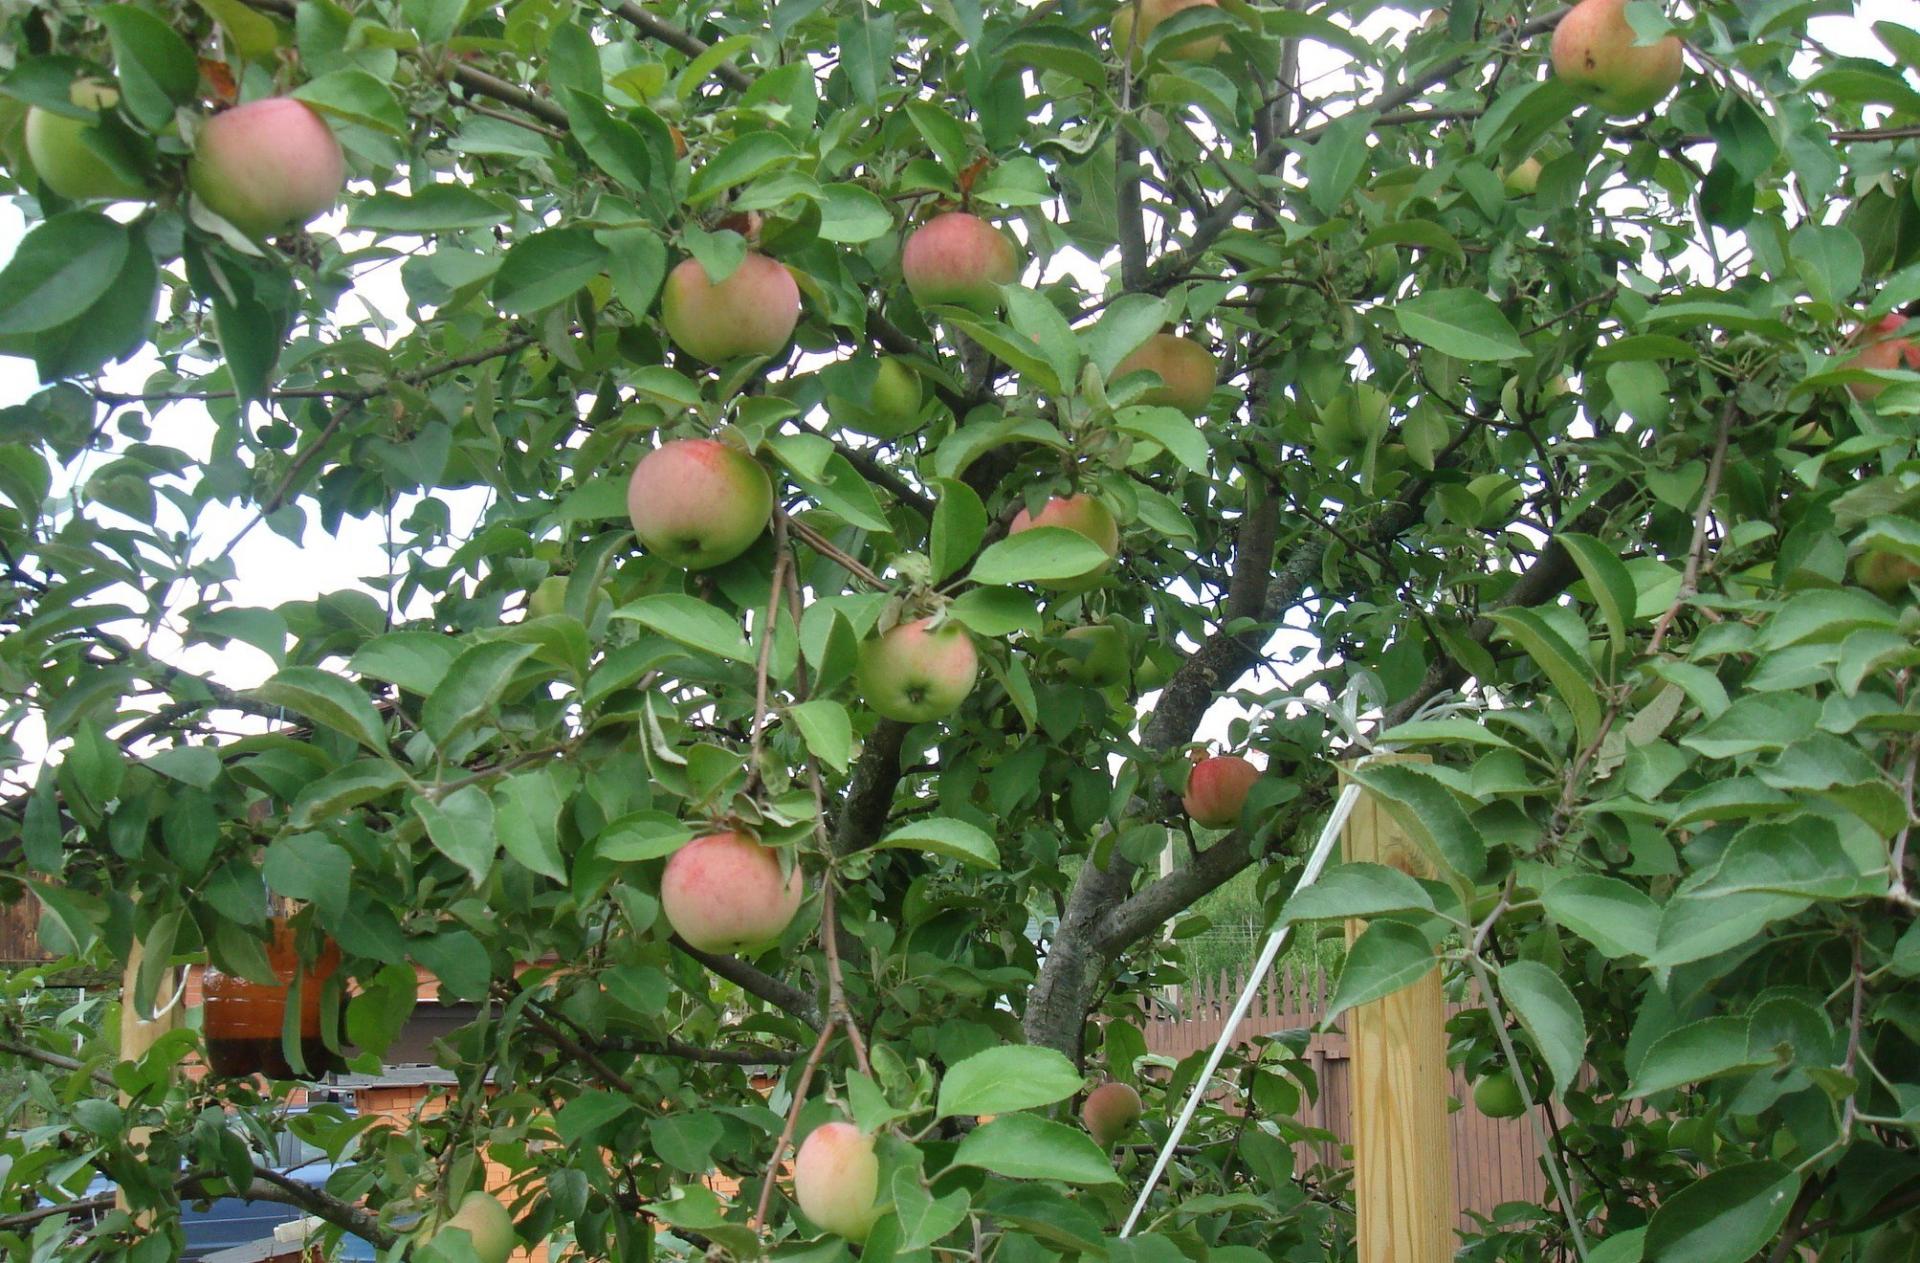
(1494,1160)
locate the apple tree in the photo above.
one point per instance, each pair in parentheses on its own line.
(821,473)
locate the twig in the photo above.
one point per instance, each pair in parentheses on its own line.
(826,548)
(784,996)
(1696,552)
(786,1132)
(58,1061)
(782,557)
(673,37)
(755,1056)
(1897,859)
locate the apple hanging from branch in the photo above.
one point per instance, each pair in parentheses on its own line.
(698,503)
(267,166)
(726,893)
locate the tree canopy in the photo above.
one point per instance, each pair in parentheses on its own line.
(1573,451)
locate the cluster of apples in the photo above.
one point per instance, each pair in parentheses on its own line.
(265,167)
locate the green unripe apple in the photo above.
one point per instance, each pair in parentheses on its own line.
(1498,1096)
(916,675)
(1098,656)
(487,1224)
(1886,575)
(892,408)
(61,157)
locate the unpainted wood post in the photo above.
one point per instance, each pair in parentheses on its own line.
(138,1034)
(1397,1050)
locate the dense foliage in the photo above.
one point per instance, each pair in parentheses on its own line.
(1537,449)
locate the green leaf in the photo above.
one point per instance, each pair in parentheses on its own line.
(460,826)
(643,835)
(1128,321)
(752,154)
(1608,582)
(1550,1016)
(925,1219)
(827,730)
(1563,665)
(1388,956)
(850,214)
(306,866)
(526,814)
(1171,429)
(1693,1053)
(997,611)
(1005,1079)
(458,960)
(547,268)
(1460,323)
(1357,890)
(413,660)
(1728,1217)
(1802,857)
(1615,917)
(155,68)
(587,1113)
(1621,1247)
(59,270)
(959,524)
(198,766)
(328,700)
(1428,810)
(430,208)
(343,789)
(377,1015)
(692,622)
(251,34)
(471,689)
(942,835)
(357,97)
(1038,555)
(1026,1147)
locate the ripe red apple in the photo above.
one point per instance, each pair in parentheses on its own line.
(892,407)
(1110,1112)
(699,503)
(1886,575)
(487,1224)
(1498,1096)
(1152,14)
(725,893)
(959,259)
(1084,515)
(267,166)
(752,312)
(836,1180)
(916,675)
(1594,50)
(1881,348)
(1104,660)
(58,150)
(1217,790)
(1187,372)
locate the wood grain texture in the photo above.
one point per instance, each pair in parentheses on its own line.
(1402,1150)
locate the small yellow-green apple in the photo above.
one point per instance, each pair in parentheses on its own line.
(550,598)
(1217,790)
(1110,1112)
(1084,515)
(726,893)
(1881,348)
(959,259)
(267,166)
(1187,372)
(752,312)
(1498,1096)
(1594,50)
(892,407)
(1098,655)
(1523,177)
(487,1224)
(1152,14)
(699,503)
(57,147)
(1886,575)
(914,673)
(836,1180)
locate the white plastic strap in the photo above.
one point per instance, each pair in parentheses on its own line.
(1316,861)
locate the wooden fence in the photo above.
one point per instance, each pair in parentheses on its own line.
(1494,1160)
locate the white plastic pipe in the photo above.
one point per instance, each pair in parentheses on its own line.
(1316,861)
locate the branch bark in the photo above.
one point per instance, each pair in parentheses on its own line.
(782,995)
(673,37)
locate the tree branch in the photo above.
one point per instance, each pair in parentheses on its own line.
(673,37)
(58,1061)
(784,996)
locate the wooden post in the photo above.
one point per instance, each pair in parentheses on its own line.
(138,1034)
(1397,1048)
